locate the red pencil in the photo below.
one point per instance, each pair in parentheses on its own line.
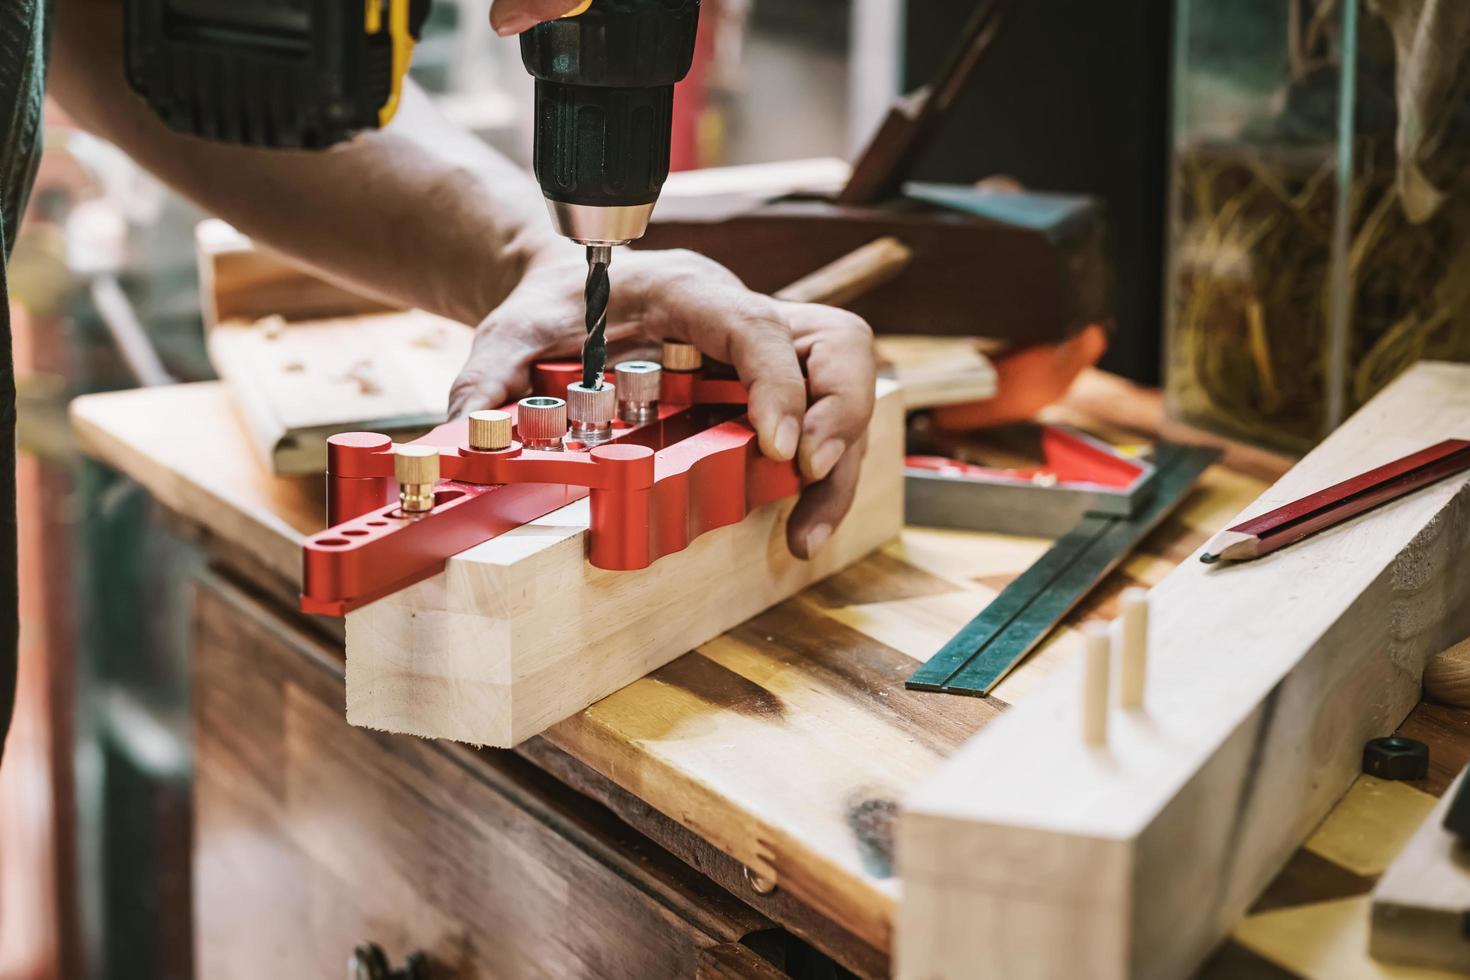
(1290,523)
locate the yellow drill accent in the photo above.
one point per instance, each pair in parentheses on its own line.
(402,42)
(581,8)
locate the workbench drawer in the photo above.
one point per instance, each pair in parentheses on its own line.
(312,837)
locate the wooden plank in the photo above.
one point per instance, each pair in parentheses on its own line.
(777,904)
(305,359)
(521,632)
(296,383)
(1421,902)
(1265,680)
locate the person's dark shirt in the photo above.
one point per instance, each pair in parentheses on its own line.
(23,41)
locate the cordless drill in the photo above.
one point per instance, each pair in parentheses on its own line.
(311,73)
(604,120)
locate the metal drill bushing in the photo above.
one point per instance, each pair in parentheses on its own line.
(590,412)
(417,470)
(542,421)
(681,357)
(1396,758)
(490,431)
(638,387)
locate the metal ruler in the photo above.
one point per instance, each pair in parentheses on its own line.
(1029,608)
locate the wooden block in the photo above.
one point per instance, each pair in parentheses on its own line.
(1033,855)
(521,632)
(1420,903)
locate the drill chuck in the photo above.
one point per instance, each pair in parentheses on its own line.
(604,112)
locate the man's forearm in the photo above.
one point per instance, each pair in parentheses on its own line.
(421,213)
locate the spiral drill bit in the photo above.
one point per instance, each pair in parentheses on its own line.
(599,290)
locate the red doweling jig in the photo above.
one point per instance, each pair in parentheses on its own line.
(662,473)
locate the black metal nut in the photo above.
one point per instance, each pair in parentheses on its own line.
(1396,757)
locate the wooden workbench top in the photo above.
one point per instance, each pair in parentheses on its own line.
(788,742)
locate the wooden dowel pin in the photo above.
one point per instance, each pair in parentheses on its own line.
(1095,671)
(1132,638)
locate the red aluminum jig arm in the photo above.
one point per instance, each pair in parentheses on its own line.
(654,488)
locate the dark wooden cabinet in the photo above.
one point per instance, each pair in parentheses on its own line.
(312,837)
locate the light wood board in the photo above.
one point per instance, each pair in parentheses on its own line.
(305,359)
(1420,904)
(297,383)
(1032,854)
(189,448)
(520,632)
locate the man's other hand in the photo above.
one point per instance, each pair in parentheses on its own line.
(820,419)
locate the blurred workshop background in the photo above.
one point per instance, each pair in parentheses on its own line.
(1248,101)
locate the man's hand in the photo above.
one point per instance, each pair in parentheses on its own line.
(509,17)
(683,296)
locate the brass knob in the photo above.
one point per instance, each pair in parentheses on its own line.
(490,431)
(417,470)
(681,357)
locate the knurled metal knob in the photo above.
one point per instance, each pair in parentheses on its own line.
(416,464)
(681,357)
(417,470)
(542,421)
(590,412)
(638,390)
(490,431)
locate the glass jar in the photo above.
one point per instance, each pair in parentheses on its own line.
(1319,214)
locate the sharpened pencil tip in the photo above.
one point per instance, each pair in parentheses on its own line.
(1208,558)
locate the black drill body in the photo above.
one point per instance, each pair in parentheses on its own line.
(603,126)
(605,98)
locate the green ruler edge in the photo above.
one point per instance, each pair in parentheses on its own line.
(1029,608)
